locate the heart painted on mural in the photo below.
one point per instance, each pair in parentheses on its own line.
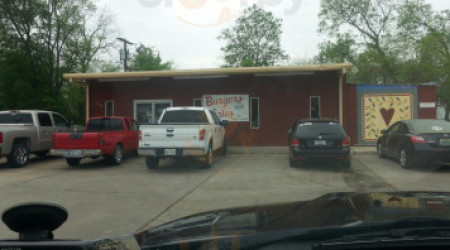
(387,115)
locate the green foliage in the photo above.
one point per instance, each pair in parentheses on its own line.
(371,23)
(337,52)
(41,40)
(254,40)
(148,59)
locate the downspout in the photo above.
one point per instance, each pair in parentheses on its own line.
(87,100)
(341,96)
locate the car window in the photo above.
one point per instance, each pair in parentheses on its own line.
(60,121)
(135,125)
(430,126)
(105,124)
(316,129)
(16,118)
(394,129)
(183,116)
(215,118)
(44,120)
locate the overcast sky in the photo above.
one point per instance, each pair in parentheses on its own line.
(185,31)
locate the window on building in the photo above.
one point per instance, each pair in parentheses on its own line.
(109,108)
(149,111)
(314,106)
(198,102)
(254,112)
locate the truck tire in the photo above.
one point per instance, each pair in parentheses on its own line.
(19,155)
(73,161)
(117,156)
(209,157)
(151,162)
(224,148)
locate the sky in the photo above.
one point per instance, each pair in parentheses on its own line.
(186,31)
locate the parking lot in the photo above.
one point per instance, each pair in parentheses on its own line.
(105,200)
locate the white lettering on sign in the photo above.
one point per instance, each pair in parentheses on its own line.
(427,105)
(228,107)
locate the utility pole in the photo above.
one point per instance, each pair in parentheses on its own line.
(124,56)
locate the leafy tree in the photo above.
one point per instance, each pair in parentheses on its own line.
(254,40)
(337,52)
(148,59)
(50,38)
(370,22)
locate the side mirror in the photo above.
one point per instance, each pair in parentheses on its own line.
(383,132)
(224,123)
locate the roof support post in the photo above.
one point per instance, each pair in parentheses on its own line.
(341,97)
(88,104)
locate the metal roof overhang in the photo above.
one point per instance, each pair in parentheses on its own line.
(206,73)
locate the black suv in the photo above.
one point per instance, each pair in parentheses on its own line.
(313,140)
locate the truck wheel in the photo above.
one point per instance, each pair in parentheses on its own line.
(73,161)
(117,157)
(151,162)
(209,157)
(224,147)
(19,155)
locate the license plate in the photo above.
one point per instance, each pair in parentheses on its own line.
(320,143)
(75,153)
(445,142)
(170,151)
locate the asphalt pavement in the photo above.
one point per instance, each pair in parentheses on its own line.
(105,200)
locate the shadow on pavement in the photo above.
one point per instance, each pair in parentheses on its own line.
(180,166)
(424,169)
(99,163)
(322,167)
(33,159)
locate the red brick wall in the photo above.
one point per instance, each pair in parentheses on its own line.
(282,100)
(427,94)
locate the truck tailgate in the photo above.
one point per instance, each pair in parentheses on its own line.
(76,140)
(171,136)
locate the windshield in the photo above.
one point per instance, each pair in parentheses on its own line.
(16,119)
(148,111)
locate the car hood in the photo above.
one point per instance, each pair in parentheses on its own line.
(336,209)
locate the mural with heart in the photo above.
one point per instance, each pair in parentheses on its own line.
(379,111)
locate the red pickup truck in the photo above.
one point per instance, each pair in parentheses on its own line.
(104,136)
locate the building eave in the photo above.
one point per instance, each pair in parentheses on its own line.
(202,73)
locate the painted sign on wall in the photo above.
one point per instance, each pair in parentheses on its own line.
(379,111)
(228,107)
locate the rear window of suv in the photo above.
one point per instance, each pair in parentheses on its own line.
(319,128)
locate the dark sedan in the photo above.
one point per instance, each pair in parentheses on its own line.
(416,143)
(313,140)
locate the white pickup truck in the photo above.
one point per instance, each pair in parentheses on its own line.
(183,132)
